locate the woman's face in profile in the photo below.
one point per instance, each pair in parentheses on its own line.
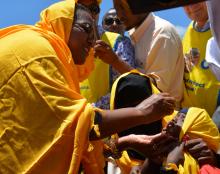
(81,37)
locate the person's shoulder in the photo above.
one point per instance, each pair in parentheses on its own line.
(35,44)
(164,25)
(35,38)
(159,20)
(166,30)
(28,39)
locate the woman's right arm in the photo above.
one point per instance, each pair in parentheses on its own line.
(151,109)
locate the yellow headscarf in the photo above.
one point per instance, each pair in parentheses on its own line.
(58,18)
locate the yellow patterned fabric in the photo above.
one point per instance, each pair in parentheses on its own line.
(197,124)
(44,121)
(201,86)
(97,84)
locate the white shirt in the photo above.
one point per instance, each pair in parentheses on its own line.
(213,57)
(158,50)
(214,18)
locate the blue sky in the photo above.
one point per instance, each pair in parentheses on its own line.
(27,12)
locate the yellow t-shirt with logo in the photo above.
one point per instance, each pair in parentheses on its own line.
(201,87)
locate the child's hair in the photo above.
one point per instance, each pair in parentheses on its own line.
(130,91)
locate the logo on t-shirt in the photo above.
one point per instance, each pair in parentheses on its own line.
(191,59)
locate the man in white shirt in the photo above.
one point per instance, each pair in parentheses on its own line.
(158,48)
(214,14)
(213,47)
(213,58)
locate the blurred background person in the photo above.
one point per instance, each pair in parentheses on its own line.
(200,82)
(213,59)
(111,22)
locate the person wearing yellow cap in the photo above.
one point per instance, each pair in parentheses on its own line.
(46,126)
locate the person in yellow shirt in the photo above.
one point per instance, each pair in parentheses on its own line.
(201,86)
(46,125)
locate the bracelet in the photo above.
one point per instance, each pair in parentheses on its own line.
(171,166)
(110,149)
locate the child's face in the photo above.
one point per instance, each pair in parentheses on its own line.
(174,127)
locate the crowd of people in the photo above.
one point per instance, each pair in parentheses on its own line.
(79,97)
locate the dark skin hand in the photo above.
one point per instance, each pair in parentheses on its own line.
(163,103)
(172,129)
(174,126)
(105,52)
(152,166)
(162,150)
(176,155)
(149,167)
(200,151)
(144,143)
(107,55)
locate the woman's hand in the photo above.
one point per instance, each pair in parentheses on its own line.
(200,151)
(157,106)
(147,145)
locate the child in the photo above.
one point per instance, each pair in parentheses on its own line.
(131,88)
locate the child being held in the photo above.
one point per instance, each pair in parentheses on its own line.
(131,88)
